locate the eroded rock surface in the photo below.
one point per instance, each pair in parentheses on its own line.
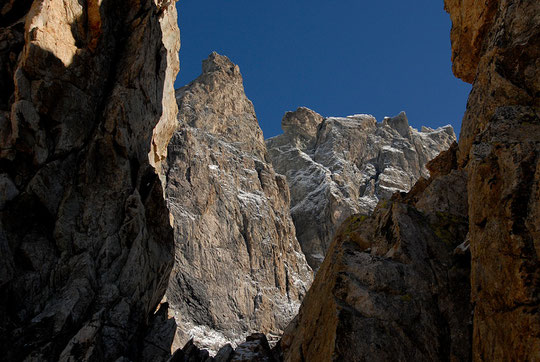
(500,147)
(239,268)
(254,349)
(392,286)
(471,22)
(86,96)
(337,167)
(504,198)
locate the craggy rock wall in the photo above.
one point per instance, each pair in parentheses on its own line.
(239,268)
(393,286)
(339,166)
(500,146)
(86,111)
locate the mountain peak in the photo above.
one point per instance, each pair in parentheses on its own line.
(219,63)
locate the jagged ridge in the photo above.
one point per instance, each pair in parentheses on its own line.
(339,166)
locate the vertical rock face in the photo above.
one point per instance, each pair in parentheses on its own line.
(337,167)
(87,105)
(392,286)
(500,147)
(471,22)
(239,267)
(504,199)
(503,67)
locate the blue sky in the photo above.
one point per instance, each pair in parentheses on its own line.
(335,57)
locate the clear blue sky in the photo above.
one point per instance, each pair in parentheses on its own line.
(336,57)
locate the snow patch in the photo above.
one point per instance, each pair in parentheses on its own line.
(391,149)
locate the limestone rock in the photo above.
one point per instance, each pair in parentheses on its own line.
(337,167)
(391,286)
(503,66)
(239,268)
(87,247)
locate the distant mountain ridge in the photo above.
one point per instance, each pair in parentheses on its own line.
(339,166)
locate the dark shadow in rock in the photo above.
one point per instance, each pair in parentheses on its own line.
(86,243)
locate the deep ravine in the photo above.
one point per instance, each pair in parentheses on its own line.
(134,217)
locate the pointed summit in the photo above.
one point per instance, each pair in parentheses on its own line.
(219,63)
(218,94)
(400,123)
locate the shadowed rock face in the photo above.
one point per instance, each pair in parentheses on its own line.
(87,105)
(254,349)
(392,286)
(337,167)
(239,267)
(504,199)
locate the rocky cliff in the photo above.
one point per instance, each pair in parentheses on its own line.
(337,167)
(239,267)
(448,271)
(500,148)
(393,286)
(86,110)
(396,285)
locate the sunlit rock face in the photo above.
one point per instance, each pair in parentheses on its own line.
(500,148)
(238,266)
(86,243)
(339,166)
(471,22)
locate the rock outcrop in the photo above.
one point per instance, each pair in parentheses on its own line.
(500,148)
(239,268)
(337,167)
(254,349)
(447,271)
(394,285)
(87,105)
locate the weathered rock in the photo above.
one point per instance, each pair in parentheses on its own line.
(504,199)
(391,286)
(504,63)
(337,167)
(500,147)
(86,95)
(159,336)
(471,22)
(224,354)
(254,349)
(239,268)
